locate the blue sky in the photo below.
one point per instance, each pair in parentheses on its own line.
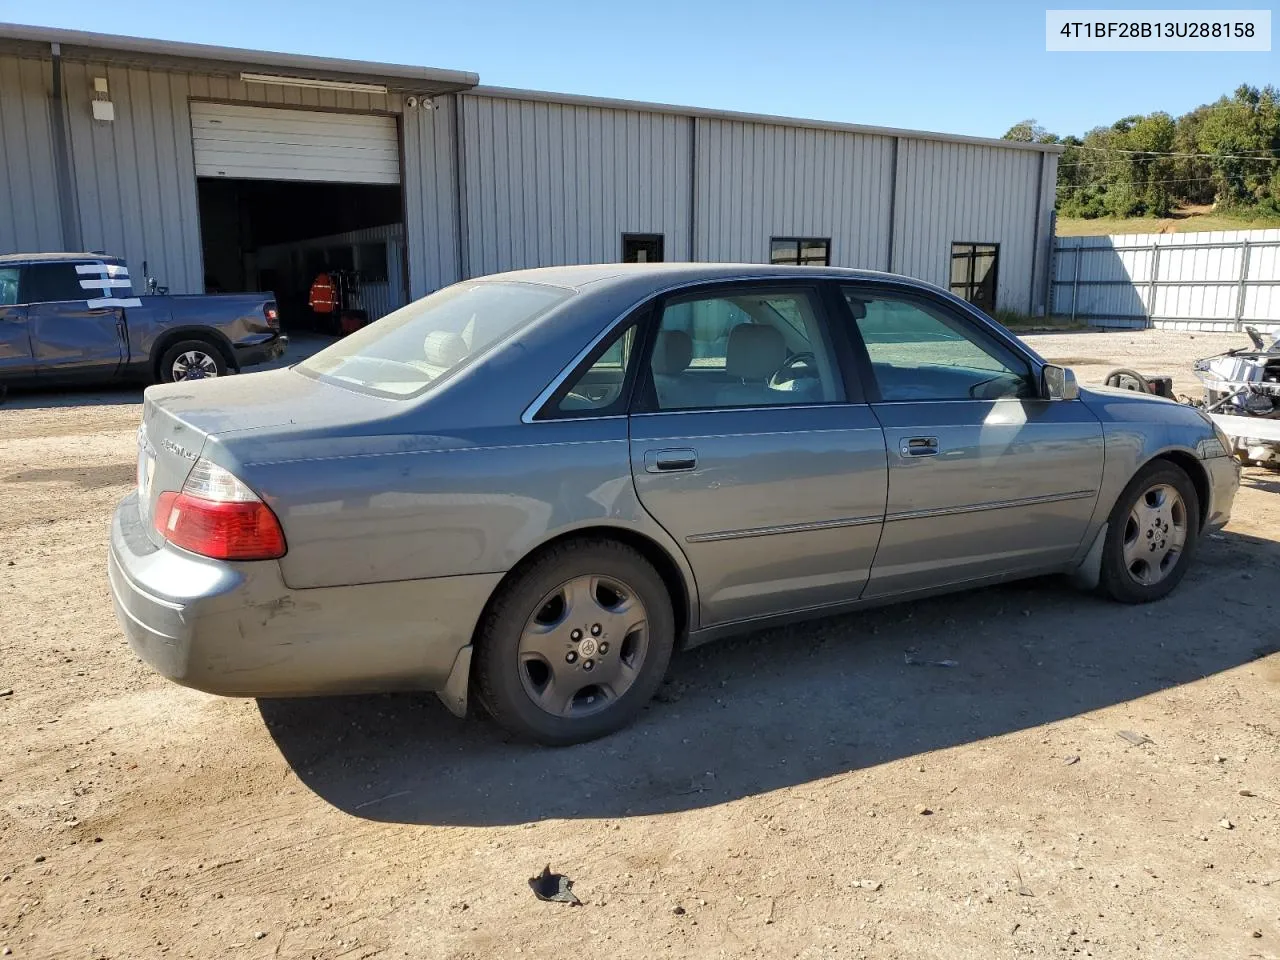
(973,68)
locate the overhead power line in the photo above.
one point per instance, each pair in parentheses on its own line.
(1147,159)
(1135,183)
(1269,155)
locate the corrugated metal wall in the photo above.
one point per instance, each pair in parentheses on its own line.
(29,220)
(756,181)
(135,185)
(1213,280)
(134,178)
(548,184)
(533,182)
(957,192)
(430,197)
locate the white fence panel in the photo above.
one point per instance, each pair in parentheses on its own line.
(1220,280)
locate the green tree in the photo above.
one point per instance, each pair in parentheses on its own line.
(1226,153)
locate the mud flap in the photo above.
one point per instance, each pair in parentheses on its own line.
(454,693)
(1088,574)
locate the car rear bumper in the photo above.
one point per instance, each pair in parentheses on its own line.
(1224,481)
(236,629)
(252,354)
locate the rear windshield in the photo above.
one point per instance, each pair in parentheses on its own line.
(407,351)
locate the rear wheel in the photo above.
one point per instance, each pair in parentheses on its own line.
(576,644)
(1152,534)
(191,360)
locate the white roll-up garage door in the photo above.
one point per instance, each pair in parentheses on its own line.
(263,143)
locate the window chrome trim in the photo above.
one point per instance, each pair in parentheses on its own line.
(989,505)
(780,528)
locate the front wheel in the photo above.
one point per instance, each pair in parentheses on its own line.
(191,360)
(576,644)
(1152,534)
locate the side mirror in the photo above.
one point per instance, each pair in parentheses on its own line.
(1058,383)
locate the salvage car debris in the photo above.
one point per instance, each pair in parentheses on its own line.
(1137,739)
(553,887)
(1241,396)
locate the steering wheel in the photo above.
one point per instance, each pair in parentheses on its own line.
(976,392)
(590,397)
(789,365)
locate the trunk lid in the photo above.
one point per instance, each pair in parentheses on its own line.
(178,419)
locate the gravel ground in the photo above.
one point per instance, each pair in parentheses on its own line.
(794,793)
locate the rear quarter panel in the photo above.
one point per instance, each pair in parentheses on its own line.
(404,507)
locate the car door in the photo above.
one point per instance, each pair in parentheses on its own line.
(985,478)
(69,335)
(15,343)
(754,451)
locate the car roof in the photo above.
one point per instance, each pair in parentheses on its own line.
(57,257)
(598,275)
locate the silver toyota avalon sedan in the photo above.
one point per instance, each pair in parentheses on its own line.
(528,490)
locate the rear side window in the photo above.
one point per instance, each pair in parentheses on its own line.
(51,283)
(408,350)
(601,388)
(742,348)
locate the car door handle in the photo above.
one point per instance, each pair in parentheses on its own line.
(920,447)
(672,460)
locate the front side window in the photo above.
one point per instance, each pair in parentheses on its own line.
(412,348)
(801,251)
(921,351)
(52,283)
(8,286)
(758,348)
(973,273)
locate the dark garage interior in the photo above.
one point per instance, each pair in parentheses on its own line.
(255,236)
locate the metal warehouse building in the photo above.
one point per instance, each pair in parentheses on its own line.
(228,169)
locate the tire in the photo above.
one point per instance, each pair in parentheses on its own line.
(559,659)
(1121,374)
(200,358)
(1152,535)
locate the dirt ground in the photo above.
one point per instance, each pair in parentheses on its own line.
(796,793)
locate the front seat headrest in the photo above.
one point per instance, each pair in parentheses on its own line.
(673,353)
(755,351)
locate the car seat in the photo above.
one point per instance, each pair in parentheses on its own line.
(754,353)
(672,355)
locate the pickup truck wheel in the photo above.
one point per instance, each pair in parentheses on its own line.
(192,360)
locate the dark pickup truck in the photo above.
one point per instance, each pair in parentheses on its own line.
(73,317)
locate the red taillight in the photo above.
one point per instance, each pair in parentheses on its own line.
(217,516)
(272,313)
(223,531)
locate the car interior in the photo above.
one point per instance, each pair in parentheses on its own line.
(734,351)
(920,352)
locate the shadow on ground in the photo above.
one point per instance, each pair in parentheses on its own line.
(784,707)
(95,396)
(1261,478)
